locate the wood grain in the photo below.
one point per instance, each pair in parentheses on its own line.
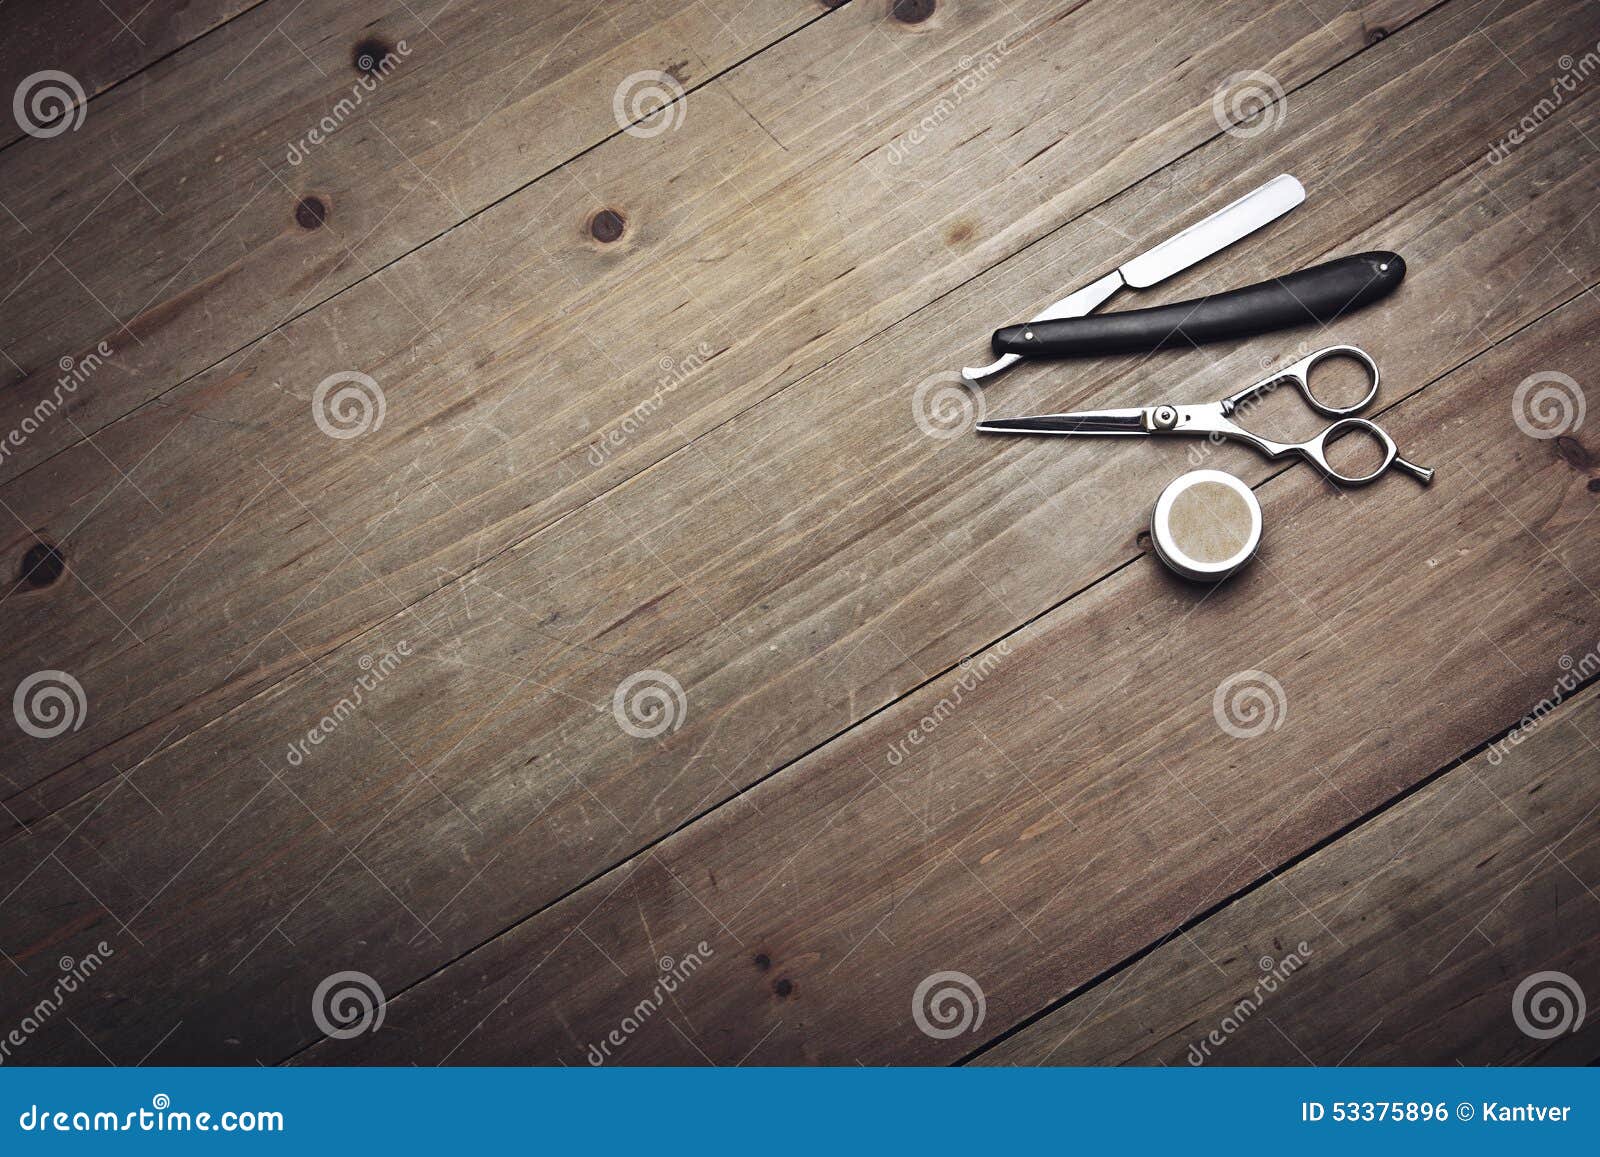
(797,568)
(193,213)
(496,433)
(1418,929)
(98,44)
(1080,798)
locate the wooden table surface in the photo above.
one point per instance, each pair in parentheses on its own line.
(499,571)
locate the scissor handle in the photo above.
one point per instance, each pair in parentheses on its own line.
(1300,374)
(1316,451)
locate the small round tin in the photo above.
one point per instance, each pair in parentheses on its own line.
(1206,525)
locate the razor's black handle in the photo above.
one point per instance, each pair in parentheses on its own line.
(1323,293)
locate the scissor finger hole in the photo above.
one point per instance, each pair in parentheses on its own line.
(1340,381)
(1354,450)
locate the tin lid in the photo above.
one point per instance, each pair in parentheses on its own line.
(1206,525)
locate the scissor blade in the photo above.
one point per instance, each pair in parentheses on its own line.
(1093,422)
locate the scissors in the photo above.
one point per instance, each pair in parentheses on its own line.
(1214,420)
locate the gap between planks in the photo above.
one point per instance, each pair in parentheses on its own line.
(639,474)
(373,271)
(147,65)
(1463,736)
(1155,944)
(1267,877)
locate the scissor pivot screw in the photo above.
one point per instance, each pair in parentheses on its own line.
(1164,418)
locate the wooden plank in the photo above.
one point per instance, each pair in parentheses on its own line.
(508,753)
(1405,942)
(497,429)
(1074,796)
(196,211)
(98,44)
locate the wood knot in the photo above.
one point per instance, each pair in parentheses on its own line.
(1575,452)
(310,212)
(912,11)
(784,987)
(1376,34)
(959,233)
(762,961)
(42,564)
(367,57)
(1594,486)
(606,226)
